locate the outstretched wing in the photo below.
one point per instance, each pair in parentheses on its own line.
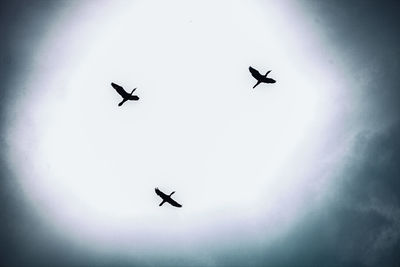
(133,97)
(255,73)
(120,90)
(174,203)
(161,194)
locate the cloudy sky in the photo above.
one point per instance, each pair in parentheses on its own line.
(299,173)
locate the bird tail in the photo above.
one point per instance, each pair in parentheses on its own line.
(162,203)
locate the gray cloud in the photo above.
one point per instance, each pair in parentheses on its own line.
(372,190)
(360,224)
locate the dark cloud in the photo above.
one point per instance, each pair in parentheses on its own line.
(25,240)
(361,224)
(366,34)
(372,193)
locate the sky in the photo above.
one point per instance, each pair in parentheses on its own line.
(298,173)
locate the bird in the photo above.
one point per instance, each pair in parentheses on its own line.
(125,95)
(167,198)
(260,78)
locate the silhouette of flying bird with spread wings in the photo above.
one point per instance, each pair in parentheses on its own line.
(120,90)
(167,198)
(260,78)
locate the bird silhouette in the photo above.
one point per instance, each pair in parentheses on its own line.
(125,95)
(167,198)
(260,78)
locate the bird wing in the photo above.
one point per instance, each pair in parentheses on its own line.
(161,194)
(120,90)
(255,73)
(174,203)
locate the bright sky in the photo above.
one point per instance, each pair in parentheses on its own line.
(235,156)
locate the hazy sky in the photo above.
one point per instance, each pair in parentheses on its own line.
(299,173)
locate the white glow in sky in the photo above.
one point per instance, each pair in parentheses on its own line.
(231,153)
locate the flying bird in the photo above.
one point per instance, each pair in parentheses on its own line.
(120,90)
(167,198)
(260,78)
